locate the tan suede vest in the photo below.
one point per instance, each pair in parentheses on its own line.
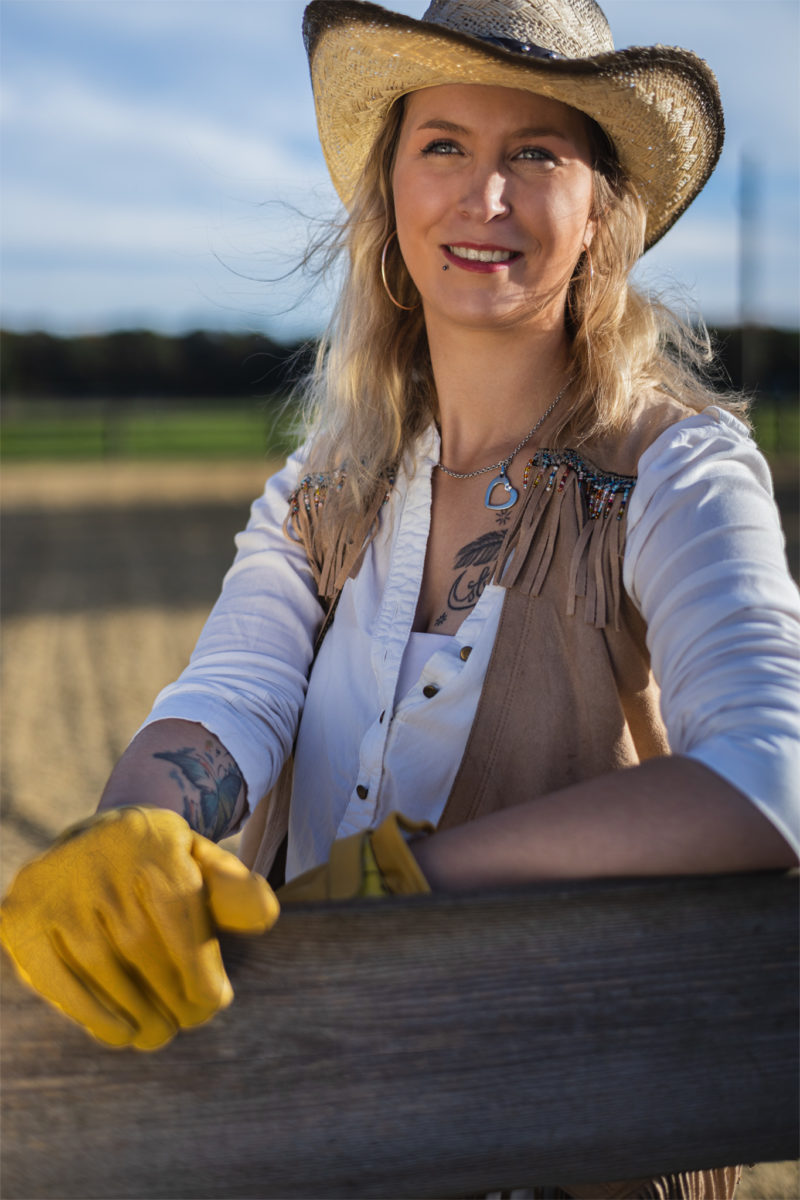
(568,693)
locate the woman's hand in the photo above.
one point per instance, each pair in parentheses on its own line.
(375,863)
(114,925)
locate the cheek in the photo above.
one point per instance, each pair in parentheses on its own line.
(568,214)
(415,202)
(400,198)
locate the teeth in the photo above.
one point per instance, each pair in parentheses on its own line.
(486,256)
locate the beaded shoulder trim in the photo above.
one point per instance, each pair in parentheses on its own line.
(312,490)
(599,487)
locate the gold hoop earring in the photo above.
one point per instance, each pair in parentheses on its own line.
(396,303)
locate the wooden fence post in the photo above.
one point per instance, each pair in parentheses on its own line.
(438,1047)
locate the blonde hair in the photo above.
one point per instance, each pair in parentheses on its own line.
(371,391)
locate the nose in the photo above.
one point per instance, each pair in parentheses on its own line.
(486,197)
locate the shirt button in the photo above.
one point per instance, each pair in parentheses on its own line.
(430,690)
(465,652)
(362,792)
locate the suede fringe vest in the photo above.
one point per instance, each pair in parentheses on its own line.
(568,693)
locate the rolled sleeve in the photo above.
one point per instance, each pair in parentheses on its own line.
(246,680)
(705,564)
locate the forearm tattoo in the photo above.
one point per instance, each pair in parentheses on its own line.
(211,786)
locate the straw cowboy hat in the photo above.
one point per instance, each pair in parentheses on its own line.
(659,105)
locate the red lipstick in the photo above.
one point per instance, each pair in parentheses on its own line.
(485,259)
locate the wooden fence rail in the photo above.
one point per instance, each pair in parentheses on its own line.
(438,1047)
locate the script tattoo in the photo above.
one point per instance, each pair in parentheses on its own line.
(210,784)
(475,562)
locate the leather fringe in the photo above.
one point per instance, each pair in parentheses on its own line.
(561,486)
(331,565)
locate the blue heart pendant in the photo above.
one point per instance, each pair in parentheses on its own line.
(503,481)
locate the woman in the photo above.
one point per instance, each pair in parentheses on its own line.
(564,632)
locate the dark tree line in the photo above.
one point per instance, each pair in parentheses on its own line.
(138,363)
(132,364)
(760,360)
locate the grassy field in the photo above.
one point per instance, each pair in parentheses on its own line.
(183,430)
(177,430)
(777,429)
(110,568)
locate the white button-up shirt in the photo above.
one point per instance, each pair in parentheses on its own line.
(387,713)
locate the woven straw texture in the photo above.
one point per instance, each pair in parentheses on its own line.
(659,105)
(577,30)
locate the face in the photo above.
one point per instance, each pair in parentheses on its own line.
(495,184)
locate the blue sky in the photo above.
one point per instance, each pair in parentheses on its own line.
(153,152)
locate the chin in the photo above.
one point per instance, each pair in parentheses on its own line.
(498,316)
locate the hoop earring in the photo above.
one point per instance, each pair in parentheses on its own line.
(396,303)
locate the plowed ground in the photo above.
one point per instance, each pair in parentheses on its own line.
(108,574)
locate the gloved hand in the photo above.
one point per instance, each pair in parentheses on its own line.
(114,924)
(375,863)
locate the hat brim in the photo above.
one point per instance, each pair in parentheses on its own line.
(659,105)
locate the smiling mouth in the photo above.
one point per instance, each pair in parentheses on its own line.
(483,256)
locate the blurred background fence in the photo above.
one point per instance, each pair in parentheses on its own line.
(141,394)
(145,428)
(207,397)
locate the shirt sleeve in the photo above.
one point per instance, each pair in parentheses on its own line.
(705,564)
(246,680)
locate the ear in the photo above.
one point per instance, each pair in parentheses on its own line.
(589,232)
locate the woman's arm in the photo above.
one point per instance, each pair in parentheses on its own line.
(705,566)
(668,816)
(181,766)
(224,728)
(247,678)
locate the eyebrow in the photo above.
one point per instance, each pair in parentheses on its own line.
(529,131)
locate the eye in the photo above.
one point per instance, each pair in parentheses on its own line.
(441,146)
(535,154)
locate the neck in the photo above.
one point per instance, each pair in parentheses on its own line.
(492,387)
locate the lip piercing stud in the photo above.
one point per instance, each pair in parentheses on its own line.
(446,267)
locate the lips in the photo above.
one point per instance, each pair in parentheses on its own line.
(483,259)
(487,254)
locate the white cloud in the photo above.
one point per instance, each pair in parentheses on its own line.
(86,118)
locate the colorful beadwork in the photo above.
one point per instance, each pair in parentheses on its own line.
(599,487)
(314,488)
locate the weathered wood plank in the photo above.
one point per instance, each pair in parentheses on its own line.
(438,1047)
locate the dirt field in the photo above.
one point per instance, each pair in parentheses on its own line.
(108,574)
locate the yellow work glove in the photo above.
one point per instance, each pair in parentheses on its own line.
(114,924)
(375,863)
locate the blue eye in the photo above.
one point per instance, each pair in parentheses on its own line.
(441,146)
(535,154)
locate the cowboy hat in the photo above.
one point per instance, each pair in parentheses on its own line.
(659,105)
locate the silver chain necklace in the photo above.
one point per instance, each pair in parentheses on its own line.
(502,479)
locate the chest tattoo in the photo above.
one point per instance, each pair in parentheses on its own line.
(475,563)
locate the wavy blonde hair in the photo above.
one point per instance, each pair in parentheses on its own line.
(371,391)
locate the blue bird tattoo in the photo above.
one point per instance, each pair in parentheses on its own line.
(210,784)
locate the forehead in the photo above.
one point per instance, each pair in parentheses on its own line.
(481,106)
